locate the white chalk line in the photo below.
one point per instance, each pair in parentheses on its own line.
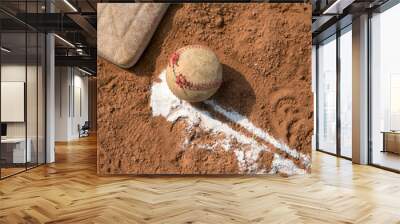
(246,124)
(164,103)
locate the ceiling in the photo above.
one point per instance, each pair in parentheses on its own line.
(16,42)
(332,15)
(73,21)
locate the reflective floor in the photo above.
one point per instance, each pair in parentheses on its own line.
(70,191)
(387,159)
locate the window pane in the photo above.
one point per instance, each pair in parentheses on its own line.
(31,89)
(327,96)
(41,98)
(31,97)
(22,90)
(385,88)
(14,153)
(346,94)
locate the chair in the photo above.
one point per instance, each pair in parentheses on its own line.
(84,130)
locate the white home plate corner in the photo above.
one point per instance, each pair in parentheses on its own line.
(164,103)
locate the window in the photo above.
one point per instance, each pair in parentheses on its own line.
(22,77)
(346,92)
(326,105)
(333,106)
(385,89)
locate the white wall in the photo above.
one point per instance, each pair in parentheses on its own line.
(80,109)
(13,101)
(12,73)
(70,83)
(62,81)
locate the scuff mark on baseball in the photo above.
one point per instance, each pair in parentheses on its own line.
(194,73)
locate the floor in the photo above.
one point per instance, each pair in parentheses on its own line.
(10,171)
(386,159)
(69,191)
(5,172)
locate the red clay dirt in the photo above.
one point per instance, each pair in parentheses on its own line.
(265,49)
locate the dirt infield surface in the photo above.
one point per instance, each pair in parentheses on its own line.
(265,50)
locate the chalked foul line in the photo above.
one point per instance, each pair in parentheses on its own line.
(164,103)
(246,124)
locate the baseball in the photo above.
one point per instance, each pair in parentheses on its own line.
(194,73)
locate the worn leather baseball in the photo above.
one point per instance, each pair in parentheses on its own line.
(194,73)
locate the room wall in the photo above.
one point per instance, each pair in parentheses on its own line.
(62,113)
(68,81)
(14,73)
(83,115)
(259,122)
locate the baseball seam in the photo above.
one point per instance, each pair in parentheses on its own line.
(183,83)
(181,80)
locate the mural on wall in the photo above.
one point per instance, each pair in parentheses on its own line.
(205,89)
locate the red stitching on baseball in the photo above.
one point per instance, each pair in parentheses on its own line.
(183,83)
(174,59)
